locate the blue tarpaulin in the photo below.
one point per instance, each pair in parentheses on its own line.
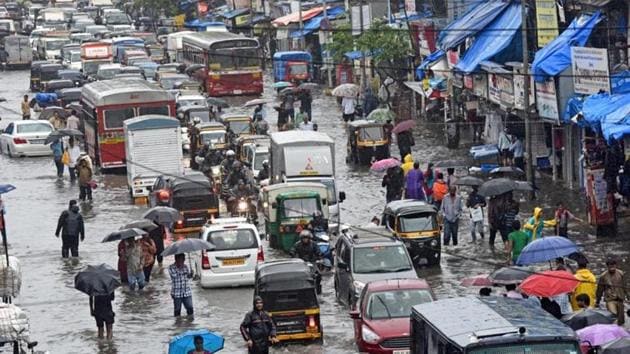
(357,54)
(553,58)
(314,23)
(198,24)
(431,58)
(620,82)
(609,114)
(574,106)
(470,23)
(493,41)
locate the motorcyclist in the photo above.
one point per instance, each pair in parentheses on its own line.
(260,125)
(238,173)
(226,165)
(318,224)
(306,249)
(242,190)
(263,174)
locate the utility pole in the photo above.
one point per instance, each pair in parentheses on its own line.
(301,26)
(329,63)
(529,164)
(363,71)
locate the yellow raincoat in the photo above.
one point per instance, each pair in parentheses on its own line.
(535,224)
(588,286)
(407,164)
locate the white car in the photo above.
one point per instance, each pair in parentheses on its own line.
(233,261)
(26,138)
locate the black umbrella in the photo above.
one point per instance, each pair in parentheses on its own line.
(162,215)
(507,170)
(192,68)
(217,102)
(48,112)
(450,164)
(510,275)
(523,186)
(497,186)
(618,346)
(587,318)
(469,181)
(97,280)
(143,224)
(58,134)
(186,246)
(124,234)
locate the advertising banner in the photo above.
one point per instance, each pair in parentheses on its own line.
(590,70)
(547,101)
(547,22)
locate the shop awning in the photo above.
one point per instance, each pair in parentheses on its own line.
(497,42)
(295,16)
(431,58)
(615,122)
(314,23)
(470,23)
(553,58)
(236,12)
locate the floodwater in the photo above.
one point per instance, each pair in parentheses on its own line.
(60,318)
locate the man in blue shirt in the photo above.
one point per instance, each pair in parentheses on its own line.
(57,148)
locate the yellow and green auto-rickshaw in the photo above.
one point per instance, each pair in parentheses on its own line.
(367,142)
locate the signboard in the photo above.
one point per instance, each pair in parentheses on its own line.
(102,51)
(410,5)
(519,89)
(601,207)
(468,82)
(590,70)
(242,20)
(494,91)
(507,90)
(546,21)
(452,57)
(547,101)
(480,85)
(356,19)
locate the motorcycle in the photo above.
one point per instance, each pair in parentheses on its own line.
(212,172)
(322,239)
(246,208)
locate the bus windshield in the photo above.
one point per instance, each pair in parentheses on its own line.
(529,348)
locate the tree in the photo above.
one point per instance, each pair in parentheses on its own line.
(342,42)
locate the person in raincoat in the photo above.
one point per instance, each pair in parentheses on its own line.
(587,286)
(393,182)
(440,189)
(407,164)
(258,329)
(535,225)
(415,183)
(429,178)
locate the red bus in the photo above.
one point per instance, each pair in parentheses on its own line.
(107,104)
(233,63)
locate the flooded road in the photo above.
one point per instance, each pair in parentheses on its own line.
(60,318)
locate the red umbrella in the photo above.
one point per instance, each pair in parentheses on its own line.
(383,165)
(404,126)
(549,283)
(479,280)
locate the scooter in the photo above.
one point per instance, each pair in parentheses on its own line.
(246,208)
(322,239)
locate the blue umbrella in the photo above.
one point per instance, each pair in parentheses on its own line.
(282,84)
(184,342)
(6,188)
(545,249)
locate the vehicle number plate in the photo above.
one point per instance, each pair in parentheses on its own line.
(238,92)
(36,141)
(234,261)
(405,351)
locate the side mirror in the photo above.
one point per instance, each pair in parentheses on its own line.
(355,315)
(342,197)
(274,205)
(342,265)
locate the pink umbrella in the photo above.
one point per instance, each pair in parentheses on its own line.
(384,164)
(601,334)
(479,280)
(404,126)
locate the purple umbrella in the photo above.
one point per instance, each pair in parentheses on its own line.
(601,334)
(404,126)
(383,165)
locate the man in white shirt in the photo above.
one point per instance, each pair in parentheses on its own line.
(347,106)
(73,122)
(305,124)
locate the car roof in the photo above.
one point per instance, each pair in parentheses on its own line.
(284,274)
(409,206)
(25,122)
(229,223)
(398,284)
(372,236)
(364,123)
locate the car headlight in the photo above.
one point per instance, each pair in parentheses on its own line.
(369,336)
(358,286)
(434,243)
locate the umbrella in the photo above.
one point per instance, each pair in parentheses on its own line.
(142,224)
(523,186)
(308,86)
(450,164)
(6,188)
(601,334)
(257,101)
(618,346)
(545,249)
(510,275)
(381,115)
(123,234)
(346,90)
(479,280)
(282,84)
(217,102)
(97,280)
(194,67)
(588,317)
(287,90)
(382,165)
(497,186)
(186,246)
(162,215)
(507,170)
(184,342)
(58,134)
(404,126)
(549,283)
(469,181)
(48,112)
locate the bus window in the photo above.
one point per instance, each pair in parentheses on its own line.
(114,118)
(246,58)
(222,60)
(163,110)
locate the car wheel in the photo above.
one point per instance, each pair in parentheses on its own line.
(9,151)
(336,289)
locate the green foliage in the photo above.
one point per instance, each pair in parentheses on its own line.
(342,42)
(155,6)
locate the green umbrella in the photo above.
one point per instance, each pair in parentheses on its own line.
(282,84)
(381,115)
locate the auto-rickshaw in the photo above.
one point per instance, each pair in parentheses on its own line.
(187,115)
(237,125)
(194,197)
(416,224)
(367,141)
(288,208)
(48,72)
(214,135)
(252,150)
(36,74)
(262,140)
(289,292)
(295,66)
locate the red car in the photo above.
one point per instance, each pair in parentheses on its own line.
(381,316)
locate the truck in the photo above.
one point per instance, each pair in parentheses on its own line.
(19,50)
(292,66)
(306,156)
(94,54)
(153,147)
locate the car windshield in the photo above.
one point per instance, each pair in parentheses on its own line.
(529,348)
(371,133)
(239,126)
(395,304)
(192,102)
(259,158)
(299,207)
(33,128)
(75,56)
(225,240)
(91,67)
(168,83)
(381,259)
(212,138)
(417,222)
(55,45)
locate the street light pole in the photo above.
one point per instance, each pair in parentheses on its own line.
(301,25)
(529,165)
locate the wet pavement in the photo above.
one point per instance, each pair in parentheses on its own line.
(60,318)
